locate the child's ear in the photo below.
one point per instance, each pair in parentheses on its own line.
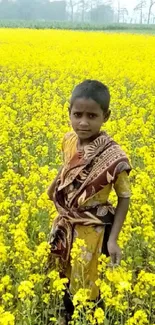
(106,116)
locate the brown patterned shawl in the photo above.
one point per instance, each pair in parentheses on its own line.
(86,174)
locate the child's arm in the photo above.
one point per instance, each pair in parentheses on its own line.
(51,188)
(122,188)
(121,212)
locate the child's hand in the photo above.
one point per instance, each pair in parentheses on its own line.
(114,251)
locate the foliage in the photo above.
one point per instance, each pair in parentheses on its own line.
(41,24)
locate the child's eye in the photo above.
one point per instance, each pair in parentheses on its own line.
(77,114)
(91,116)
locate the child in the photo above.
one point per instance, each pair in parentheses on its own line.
(93,163)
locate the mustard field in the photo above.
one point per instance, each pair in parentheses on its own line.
(38,70)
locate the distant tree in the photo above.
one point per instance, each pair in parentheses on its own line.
(102,8)
(78,8)
(152,2)
(121,13)
(140,6)
(72,6)
(118,11)
(82,9)
(102,14)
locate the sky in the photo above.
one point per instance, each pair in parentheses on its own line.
(130,4)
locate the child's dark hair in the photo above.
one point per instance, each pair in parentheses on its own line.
(93,89)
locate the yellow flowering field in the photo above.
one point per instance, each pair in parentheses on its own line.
(38,70)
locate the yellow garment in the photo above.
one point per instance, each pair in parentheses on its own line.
(84,276)
(93,236)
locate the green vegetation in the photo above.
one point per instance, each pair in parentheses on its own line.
(37,24)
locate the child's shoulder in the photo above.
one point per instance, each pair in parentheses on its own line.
(69,138)
(111,139)
(69,135)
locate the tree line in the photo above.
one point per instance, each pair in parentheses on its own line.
(98,11)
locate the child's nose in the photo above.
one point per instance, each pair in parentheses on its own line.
(84,122)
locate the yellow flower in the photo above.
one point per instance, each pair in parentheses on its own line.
(81,297)
(26,290)
(53,319)
(99,315)
(7,297)
(139,318)
(145,284)
(36,278)
(3,253)
(105,290)
(78,251)
(58,285)
(6,281)
(46,298)
(6,318)
(42,236)
(42,253)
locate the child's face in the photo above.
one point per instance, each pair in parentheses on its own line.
(86,118)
